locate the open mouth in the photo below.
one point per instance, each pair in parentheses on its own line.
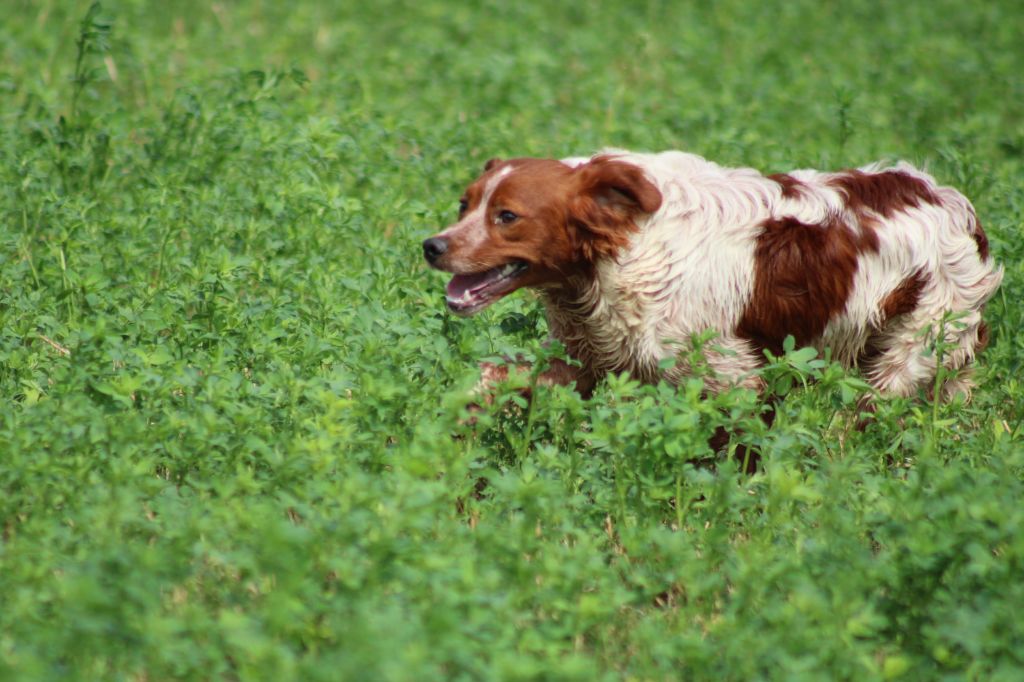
(467,294)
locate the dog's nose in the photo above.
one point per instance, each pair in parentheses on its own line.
(434,248)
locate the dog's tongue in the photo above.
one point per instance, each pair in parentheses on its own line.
(460,284)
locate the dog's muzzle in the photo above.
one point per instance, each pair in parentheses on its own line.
(434,248)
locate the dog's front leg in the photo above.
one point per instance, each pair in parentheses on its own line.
(558,373)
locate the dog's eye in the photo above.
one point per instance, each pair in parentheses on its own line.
(506,217)
(463,205)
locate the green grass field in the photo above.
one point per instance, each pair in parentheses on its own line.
(231,446)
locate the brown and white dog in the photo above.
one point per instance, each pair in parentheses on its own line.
(634,253)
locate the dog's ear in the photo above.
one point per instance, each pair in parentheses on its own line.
(491,163)
(619,185)
(610,196)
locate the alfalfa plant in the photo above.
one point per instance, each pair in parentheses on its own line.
(943,344)
(93,38)
(71,132)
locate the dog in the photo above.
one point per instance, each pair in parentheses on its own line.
(634,253)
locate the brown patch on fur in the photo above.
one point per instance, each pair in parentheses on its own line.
(491,374)
(791,187)
(983,338)
(981,239)
(803,275)
(903,299)
(561,373)
(884,193)
(900,301)
(610,196)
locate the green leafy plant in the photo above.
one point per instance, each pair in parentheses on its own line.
(235,442)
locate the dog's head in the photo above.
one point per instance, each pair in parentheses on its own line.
(536,222)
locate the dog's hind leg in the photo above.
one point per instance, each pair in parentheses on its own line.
(911,346)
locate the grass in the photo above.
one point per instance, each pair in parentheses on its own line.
(231,444)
